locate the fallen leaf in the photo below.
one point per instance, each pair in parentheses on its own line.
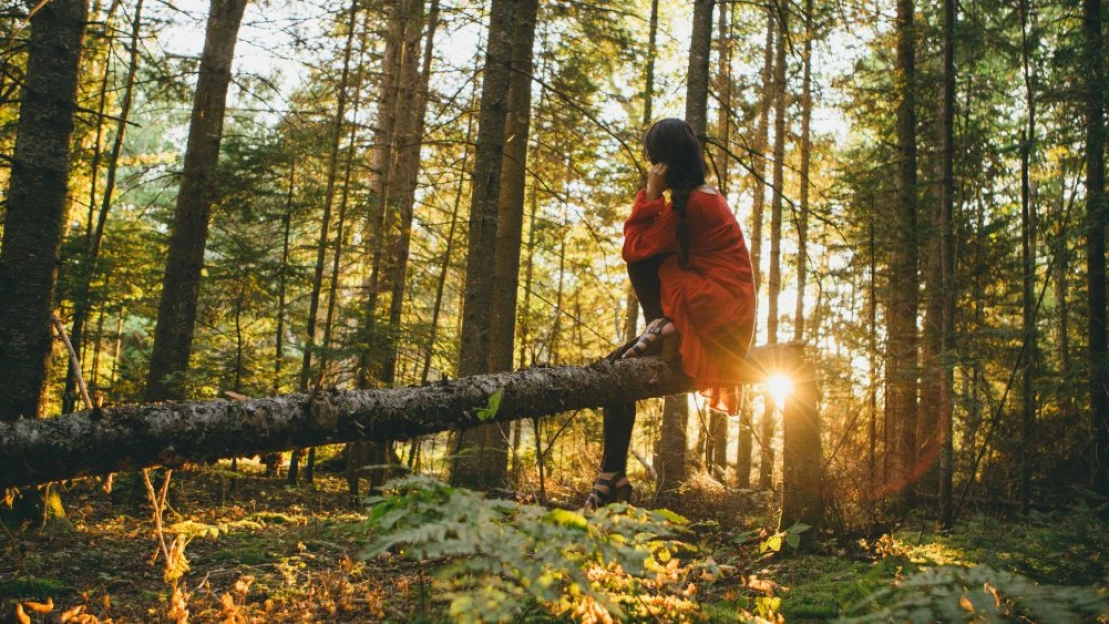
(40,607)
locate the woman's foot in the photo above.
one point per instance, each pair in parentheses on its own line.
(610,487)
(649,342)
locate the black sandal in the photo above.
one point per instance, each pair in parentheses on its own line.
(649,339)
(612,493)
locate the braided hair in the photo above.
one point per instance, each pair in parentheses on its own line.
(673,142)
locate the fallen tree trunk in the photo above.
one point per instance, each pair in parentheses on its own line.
(101,441)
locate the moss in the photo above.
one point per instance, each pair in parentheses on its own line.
(33,588)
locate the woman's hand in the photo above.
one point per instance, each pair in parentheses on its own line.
(656,181)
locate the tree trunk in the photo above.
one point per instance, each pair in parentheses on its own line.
(758,159)
(673,440)
(325,226)
(947,256)
(774,281)
(718,421)
(36,205)
(83,298)
(410,142)
(1096,219)
(510,215)
(631,319)
(806,162)
(173,333)
(132,437)
(902,370)
(481,458)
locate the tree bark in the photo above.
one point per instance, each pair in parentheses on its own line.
(36,206)
(1096,219)
(806,162)
(902,371)
(631,318)
(947,258)
(673,440)
(410,137)
(510,217)
(132,437)
(481,454)
(718,421)
(173,333)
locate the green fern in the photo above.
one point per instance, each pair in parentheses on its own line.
(502,561)
(978,594)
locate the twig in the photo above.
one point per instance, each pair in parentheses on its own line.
(73,361)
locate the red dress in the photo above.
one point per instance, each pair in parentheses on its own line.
(712,304)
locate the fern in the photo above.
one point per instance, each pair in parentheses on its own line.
(978,594)
(500,560)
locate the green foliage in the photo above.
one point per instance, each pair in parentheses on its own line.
(503,560)
(978,594)
(34,588)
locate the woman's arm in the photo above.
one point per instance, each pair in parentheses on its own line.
(650,229)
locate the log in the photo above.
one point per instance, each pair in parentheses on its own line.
(101,441)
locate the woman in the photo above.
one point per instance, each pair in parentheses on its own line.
(691,272)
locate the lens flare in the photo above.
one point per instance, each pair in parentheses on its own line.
(779,386)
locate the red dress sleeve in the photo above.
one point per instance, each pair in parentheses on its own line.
(650,230)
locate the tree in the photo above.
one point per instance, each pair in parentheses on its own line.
(36,212)
(1097,216)
(510,217)
(902,371)
(181,285)
(481,459)
(675,412)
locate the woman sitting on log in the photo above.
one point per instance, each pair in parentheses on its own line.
(691,272)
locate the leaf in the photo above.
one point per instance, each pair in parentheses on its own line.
(671,516)
(774,542)
(799,527)
(40,607)
(564,517)
(20,615)
(793,539)
(494,404)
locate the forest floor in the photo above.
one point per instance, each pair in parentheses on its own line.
(266,552)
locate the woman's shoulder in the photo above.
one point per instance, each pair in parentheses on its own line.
(708,196)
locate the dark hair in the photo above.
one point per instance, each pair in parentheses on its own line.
(673,142)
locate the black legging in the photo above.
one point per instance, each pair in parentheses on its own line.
(619,418)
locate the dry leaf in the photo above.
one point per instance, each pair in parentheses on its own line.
(20,615)
(70,615)
(40,607)
(965,603)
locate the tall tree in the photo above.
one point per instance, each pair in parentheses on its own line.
(806,165)
(510,218)
(774,280)
(1097,216)
(481,458)
(410,141)
(675,412)
(631,318)
(336,139)
(902,370)
(36,214)
(717,456)
(36,205)
(947,259)
(1028,259)
(173,333)
(758,189)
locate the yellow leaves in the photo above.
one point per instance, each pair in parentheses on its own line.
(40,607)
(20,615)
